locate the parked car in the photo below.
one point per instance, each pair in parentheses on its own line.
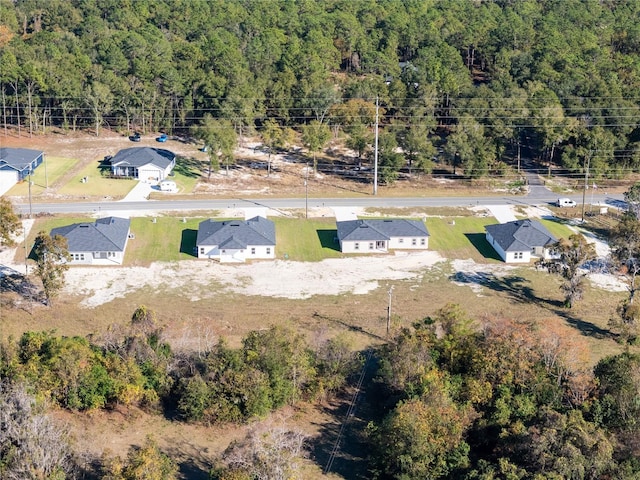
(162,138)
(565,202)
(135,137)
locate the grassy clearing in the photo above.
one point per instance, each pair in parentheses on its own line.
(461,237)
(421,211)
(49,174)
(97,184)
(309,240)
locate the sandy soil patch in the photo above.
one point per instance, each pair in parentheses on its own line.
(278,278)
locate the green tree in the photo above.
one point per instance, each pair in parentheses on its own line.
(220,138)
(315,136)
(573,253)
(9,223)
(142,463)
(272,136)
(625,249)
(52,256)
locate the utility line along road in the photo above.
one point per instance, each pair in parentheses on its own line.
(299,203)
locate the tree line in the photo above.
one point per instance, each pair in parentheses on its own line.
(462,81)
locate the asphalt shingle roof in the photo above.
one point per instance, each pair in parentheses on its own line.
(363,230)
(141,156)
(520,235)
(105,235)
(17,158)
(237,234)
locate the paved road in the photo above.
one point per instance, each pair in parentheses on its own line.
(540,198)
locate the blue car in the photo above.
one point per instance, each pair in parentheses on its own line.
(162,138)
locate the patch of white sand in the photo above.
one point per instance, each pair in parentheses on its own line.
(197,279)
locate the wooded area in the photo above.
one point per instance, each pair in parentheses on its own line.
(457,81)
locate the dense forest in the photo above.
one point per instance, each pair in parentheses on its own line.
(464,82)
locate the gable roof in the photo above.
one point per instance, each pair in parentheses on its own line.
(141,156)
(520,235)
(363,230)
(237,234)
(105,235)
(18,158)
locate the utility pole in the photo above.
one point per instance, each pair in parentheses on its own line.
(389,310)
(30,205)
(375,155)
(306,192)
(586,182)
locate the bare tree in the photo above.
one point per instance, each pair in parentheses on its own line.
(32,445)
(270,451)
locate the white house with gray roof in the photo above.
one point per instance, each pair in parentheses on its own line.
(520,240)
(100,243)
(147,164)
(16,164)
(375,236)
(236,240)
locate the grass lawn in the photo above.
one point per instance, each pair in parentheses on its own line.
(55,168)
(461,237)
(97,184)
(309,240)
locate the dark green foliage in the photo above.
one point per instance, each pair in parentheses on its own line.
(502,400)
(562,76)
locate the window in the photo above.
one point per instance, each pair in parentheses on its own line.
(268,250)
(414,241)
(201,250)
(518,256)
(401,240)
(356,246)
(82,256)
(423,241)
(371,246)
(253,250)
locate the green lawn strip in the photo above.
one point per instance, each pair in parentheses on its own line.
(557,228)
(309,240)
(166,240)
(461,237)
(44,175)
(97,185)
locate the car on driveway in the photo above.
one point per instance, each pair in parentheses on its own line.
(135,137)
(162,138)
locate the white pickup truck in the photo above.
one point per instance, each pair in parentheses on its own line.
(565,202)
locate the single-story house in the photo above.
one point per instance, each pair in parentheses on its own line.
(16,164)
(368,236)
(236,240)
(150,165)
(100,243)
(520,240)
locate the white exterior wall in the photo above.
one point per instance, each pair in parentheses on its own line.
(8,178)
(407,243)
(362,246)
(518,257)
(96,258)
(496,247)
(236,255)
(150,174)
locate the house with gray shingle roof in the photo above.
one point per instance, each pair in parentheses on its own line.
(236,240)
(150,165)
(371,236)
(519,241)
(16,164)
(100,243)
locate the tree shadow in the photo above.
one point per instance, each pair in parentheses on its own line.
(587,329)
(188,167)
(188,242)
(342,448)
(479,241)
(12,281)
(514,286)
(329,239)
